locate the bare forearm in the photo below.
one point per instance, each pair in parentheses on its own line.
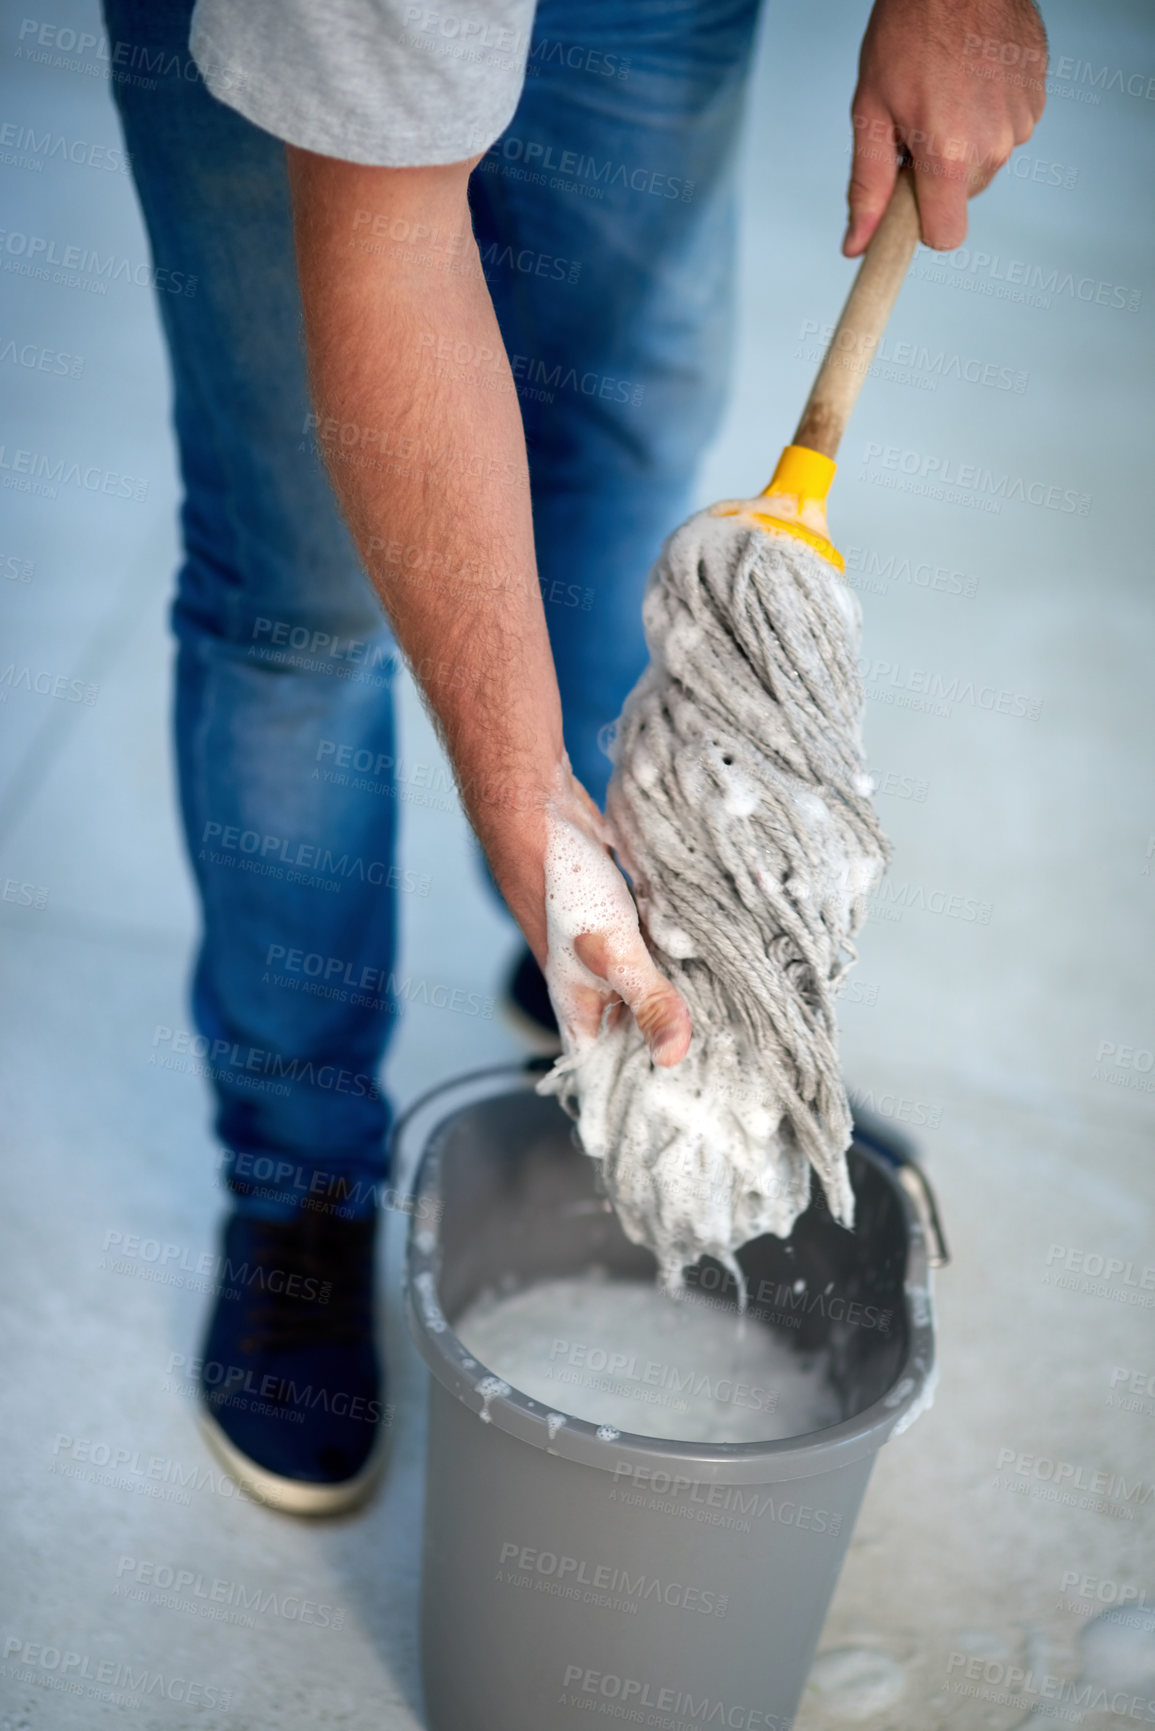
(418,418)
(430,469)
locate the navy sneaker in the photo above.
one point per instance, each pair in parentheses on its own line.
(526,1009)
(291,1386)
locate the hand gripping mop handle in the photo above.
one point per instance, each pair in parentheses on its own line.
(794,503)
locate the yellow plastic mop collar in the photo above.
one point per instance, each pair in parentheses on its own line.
(794,503)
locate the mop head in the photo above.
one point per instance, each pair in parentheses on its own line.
(740,808)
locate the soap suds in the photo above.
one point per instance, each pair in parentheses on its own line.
(627,1357)
(585,892)
(1118,1654)
(921,1300)
(855,1683)
(1119,1650)
(739,806)
(490,1388)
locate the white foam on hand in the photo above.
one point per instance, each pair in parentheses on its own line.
(597,957)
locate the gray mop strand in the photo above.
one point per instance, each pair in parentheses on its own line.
(741,808)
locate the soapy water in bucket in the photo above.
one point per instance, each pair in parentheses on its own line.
(625,1355)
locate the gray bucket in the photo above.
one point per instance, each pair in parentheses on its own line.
(570,1570)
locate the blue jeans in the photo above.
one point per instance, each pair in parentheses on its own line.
(612,284)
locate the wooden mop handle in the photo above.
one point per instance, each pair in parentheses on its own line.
(868,306)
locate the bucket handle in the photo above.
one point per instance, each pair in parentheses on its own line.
(914,1181)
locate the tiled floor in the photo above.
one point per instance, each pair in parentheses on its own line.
(1001,1009)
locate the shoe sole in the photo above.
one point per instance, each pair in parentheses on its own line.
(291,1496)
(528,1031)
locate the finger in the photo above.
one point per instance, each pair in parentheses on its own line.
(949,170)
(942,187)
(1032,79)
(873,172)
(992,157)
(1023,117)
(580,1011)
(588,1010)
(657,1006)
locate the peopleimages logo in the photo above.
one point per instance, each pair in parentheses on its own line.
(160,1583)
(134,1247)
(1125,1066)
(276,850)
(1053,1480)
(914,357)
(36,252)
(1008,1685)
(113,59)
(889,681)
(1095,1265)
(36,357)
(891,901)
(652,1374)
(989,274)
(583,1687)
(47,684)
(229,1060)
(787,1301)
(574,1577)
(732,1506)
(1099,1590)
(35,148)
(876,571)
(75,1673)
(38,471)
(239,1385)
(971,479)
(529,159)
(1139,1382)
(158,1476)
(578,58)
(471,28)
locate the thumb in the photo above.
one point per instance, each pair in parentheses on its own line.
(657,1005)
(873,172)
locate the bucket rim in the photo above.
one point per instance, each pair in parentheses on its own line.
(496,1402)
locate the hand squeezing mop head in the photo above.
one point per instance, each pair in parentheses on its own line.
(740,807)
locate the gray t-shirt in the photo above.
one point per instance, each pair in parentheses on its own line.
(390,83)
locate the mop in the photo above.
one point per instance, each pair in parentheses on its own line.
(739,807)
